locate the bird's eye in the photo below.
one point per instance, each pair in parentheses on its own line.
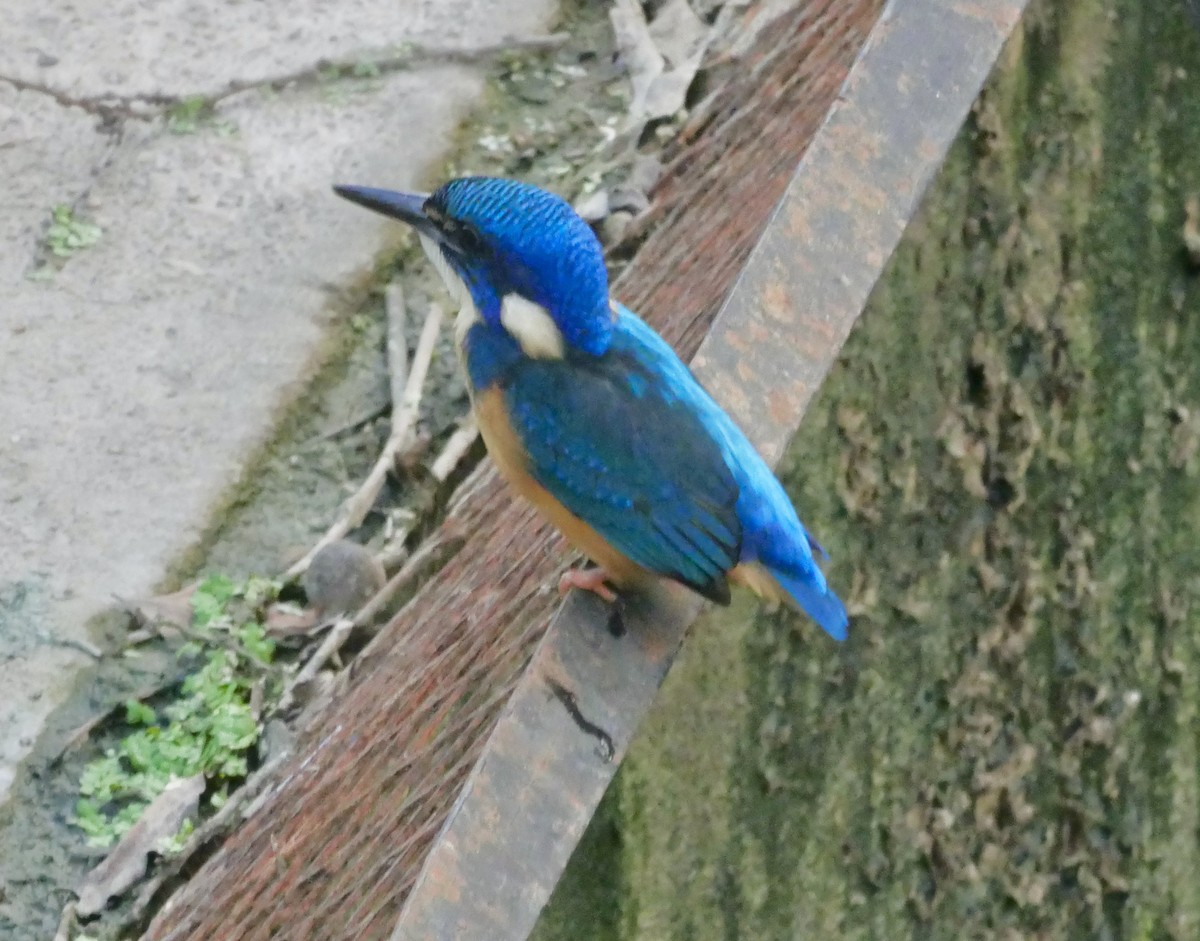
(463,235)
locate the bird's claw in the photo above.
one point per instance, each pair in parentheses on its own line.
(593,580)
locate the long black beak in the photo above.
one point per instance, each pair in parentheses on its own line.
(407,207)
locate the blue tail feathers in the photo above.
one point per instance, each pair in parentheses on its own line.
(817,601)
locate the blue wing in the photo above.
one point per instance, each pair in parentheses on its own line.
(772,534)
(631,460)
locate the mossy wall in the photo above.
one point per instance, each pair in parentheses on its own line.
(1004,464)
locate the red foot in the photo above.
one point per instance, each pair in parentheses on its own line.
(592,580)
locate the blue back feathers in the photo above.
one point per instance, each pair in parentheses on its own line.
(519,238)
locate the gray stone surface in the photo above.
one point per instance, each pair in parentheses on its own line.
(147,48)
(136,381)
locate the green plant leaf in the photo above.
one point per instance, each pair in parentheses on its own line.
(67,234)
(138,713)
(207,728)
(254,638)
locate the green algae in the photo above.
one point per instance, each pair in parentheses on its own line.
(1004,464)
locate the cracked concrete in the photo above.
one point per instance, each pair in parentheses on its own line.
(138,378)
(133,49)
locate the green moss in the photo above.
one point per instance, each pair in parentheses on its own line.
(1004,463)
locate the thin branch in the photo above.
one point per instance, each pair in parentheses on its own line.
(397,342)
(409,571)
(332,643)
(406,418)
(404,421)
(344,627)
(455,449)
(66,922)
(395,552)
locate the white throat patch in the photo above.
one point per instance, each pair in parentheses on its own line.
(454,284)
(531,325)
(468,315)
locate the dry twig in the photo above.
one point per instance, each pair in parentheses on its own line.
(397,341)
(66,923)
(332,643)
(395,551)
(455,449)
(404,421)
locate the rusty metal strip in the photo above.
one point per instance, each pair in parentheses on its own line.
(547,763)
(561,737)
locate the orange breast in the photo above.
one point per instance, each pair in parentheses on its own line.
(510,458)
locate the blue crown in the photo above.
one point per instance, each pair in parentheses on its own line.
(513,236)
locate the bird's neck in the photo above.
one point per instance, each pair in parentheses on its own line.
(527,323)
(487,354)
(467,317)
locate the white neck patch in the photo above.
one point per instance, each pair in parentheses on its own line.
(528,322)
(468,315)
(531,325)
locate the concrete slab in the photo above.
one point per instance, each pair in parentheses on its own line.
(136,50)
(135,382)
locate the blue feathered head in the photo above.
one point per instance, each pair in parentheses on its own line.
(503,238)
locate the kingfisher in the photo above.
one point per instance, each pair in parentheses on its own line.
(591,416)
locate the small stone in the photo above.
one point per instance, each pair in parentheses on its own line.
(628,199)
(593,208)
(342,578)
(645,172)
(613,229)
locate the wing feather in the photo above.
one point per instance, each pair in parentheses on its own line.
(634,463)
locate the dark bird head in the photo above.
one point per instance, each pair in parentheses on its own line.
(514,255)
